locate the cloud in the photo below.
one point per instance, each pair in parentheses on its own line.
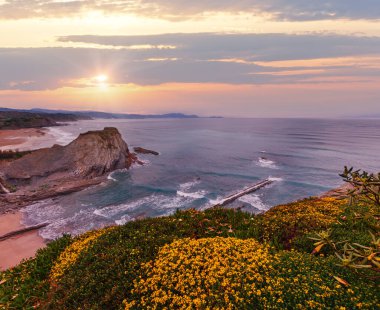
(196,58)
(300,10)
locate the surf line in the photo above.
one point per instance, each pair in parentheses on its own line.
(244,192)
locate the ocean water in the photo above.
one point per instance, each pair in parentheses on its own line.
(204,160)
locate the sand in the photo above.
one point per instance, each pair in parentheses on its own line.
(20,139)
(15,249)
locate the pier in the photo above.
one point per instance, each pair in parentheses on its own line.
(244,192)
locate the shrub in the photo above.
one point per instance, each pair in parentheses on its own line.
(230,273)
(282,224)
(23,286)
(365,185)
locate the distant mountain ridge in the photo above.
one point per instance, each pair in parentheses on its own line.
(105,115)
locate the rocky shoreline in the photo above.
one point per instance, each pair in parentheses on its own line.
(61,170)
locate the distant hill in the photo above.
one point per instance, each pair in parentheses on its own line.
(104,115)
(13,119)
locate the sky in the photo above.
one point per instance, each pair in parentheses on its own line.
(248,58)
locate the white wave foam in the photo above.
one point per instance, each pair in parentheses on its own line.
(61,137)
(110,177)
(195,195)
(186,187)
(275,179)
(156,202)
(137,165)
(41,212)
(189,185)
(266,163)
(79,223)
(123,220)
(255,201)
(114,210)
(216,201)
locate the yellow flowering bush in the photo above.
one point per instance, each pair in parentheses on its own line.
(210,272)
(69,256)
(230,273)
(285,222)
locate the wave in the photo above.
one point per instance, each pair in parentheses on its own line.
(275,179)
(189,185)
(185,190)
(124,220)
(110,177)
(255,201)
(195,195)
(145,162)
(156,202)
(59,221)
(61,137)
(266,163)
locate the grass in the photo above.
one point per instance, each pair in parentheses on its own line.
(261,261)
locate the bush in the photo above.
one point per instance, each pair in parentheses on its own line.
(230,273)
(23,286)
(284,223)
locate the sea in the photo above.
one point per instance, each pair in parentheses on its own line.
(203,160)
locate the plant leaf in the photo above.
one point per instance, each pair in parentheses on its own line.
(341,281)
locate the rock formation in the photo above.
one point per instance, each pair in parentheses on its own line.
(141,150)
(62,169)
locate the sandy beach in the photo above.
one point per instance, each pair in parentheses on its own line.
(13,250)
(20,139)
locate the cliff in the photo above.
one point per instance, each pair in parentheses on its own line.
(61,169)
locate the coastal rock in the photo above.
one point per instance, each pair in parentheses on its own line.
(140,150)
(92,154)
(61,170)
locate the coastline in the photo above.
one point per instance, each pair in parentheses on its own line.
(25,245)
(20,139)
(14,249)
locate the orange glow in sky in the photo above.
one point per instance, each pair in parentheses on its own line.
(202,58)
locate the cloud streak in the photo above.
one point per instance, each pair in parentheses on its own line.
(294,10)
(196,58)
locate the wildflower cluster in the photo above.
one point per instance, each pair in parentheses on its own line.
(230,273)
(69,256)
(285,222)
(210,272)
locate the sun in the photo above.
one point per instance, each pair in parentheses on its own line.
(101,78)
(101,81)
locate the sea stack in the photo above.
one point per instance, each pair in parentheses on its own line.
(62,169)
(92,154)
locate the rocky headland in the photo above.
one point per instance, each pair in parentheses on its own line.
(59,170)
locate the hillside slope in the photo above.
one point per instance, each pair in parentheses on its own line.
(218,258)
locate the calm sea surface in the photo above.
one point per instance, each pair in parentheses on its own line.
(204,160)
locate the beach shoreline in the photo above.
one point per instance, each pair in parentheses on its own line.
(20,139)
(17,248)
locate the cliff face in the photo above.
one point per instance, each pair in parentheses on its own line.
(63,169)
(92,154)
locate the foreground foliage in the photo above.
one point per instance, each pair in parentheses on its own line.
(234,258)
(230,273)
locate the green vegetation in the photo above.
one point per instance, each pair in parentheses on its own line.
(218,258)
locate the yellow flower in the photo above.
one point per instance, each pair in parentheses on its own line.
(72,252)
